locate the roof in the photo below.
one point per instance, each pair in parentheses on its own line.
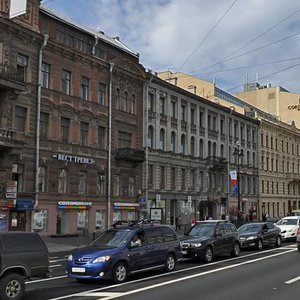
(113,41)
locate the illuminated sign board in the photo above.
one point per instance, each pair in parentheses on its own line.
(74,204)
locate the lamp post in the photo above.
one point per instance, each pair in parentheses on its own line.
(238,153)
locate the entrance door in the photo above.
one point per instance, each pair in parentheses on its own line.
(17,221)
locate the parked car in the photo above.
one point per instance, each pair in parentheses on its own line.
(207,239)
(114,255)
(298,239)
(23,255)
(289,226)
(259,235)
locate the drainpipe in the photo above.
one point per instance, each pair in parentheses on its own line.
(109,147)
(146,138)
(38,117)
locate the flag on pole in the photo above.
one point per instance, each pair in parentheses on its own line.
(233,180)
(17,8)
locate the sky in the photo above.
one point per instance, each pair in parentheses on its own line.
(225,41)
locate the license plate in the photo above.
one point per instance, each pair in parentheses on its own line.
(184,252)
(78,270)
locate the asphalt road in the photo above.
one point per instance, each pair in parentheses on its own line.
(273,273)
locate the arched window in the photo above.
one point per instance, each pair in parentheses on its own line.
(182,144)
(254,160)
(192,146)
(132,104)
(150,137)
(125,102)
(118,99)
(222,150)
(214,149)
(173,141)
(209,150)
(162,139)
(201,148)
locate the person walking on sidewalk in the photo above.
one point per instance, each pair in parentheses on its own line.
(178,222)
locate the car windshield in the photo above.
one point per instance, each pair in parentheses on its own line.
(112,238)
(287,222)
(250,228)
(202,230)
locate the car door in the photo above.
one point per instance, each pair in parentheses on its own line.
(137,255)
(267,235)
(272,232)
(221,240)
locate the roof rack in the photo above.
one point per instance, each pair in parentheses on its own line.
(126,223)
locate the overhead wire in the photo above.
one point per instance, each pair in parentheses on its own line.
(207,35)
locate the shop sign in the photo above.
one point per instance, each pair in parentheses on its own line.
(125,206)
(24,204)
(75,159)
(74,204)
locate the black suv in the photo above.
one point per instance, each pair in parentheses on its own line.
(23,255)
(126,249)
(207,239)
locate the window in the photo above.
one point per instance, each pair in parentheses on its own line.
(192,116)
(101,137)
(124,139)
(116,185)
(41,179)
(20,118)
(173,178)
(154,235)
(182,179)
(82,183)
(192,179)
(162,139)
(125,102)
(22,64)
(45,75)
(62,181)
(66,82)
(84,88)
(44,122)
(150,176)
(169,234)
(150,137)
(182,144)
(64,129)
(151,103)
(183,112)
(118,100)
(64,35)
(101,184)
(162,177)
(173,108)
(132,104)
(192,146)
(173,141)
(84,133)
(162,102)
(40,220)
(201,119)
(131,186)
(102,93)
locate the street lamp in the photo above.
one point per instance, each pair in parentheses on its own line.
(238,153)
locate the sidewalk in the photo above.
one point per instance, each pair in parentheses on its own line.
(66,243)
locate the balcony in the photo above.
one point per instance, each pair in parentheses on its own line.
(10,139)
(215,163)
(129,154)
(10,79)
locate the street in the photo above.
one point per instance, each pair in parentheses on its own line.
(273,273)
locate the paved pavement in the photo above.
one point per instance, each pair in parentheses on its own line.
(66,243)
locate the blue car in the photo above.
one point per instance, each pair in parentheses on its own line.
(125,250)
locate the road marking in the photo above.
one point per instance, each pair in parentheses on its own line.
(55,266)
(293,280)
(100,294)
(57,260)
(45,279)
(175,272)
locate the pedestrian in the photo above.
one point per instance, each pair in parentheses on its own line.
(178,222)
(264,218)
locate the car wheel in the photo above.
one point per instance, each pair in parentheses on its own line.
(278,241)
(119,273)
(170,263)
(236,250)
(259,244)
(12,287)
(208,254)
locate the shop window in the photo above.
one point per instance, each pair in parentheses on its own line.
(116,216)
(81,219)
(40,220)
(100,219)
(131,216)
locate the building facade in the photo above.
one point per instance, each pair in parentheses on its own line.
(278,171)
(71,149)
(190,144)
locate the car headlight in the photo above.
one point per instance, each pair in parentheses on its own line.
(101,259)
(251,238)
(70,258)
(196,245)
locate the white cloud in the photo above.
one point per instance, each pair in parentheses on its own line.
(166,32)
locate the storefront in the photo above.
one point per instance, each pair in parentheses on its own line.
(125,211)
